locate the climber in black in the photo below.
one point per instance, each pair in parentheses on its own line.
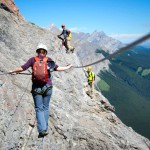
(67,35)
(64,34)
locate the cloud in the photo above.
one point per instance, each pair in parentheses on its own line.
(126,35)
(126,38)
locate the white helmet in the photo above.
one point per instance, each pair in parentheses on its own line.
(42,46)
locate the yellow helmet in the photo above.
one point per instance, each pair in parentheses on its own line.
(89,68)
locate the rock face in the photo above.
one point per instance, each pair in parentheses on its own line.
(10,5)
(76,122)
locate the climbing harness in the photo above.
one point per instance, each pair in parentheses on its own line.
(119,51)
(41,90)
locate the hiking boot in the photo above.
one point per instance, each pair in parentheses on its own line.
(42,134)
(72,50)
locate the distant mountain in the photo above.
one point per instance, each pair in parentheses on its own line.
(54,29)
(100,40)
(127,84)
(86,45)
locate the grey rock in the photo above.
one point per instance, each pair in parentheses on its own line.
(76,122)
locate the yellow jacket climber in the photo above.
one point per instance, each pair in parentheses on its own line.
(91,79)
(91,75)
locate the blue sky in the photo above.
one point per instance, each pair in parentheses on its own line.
(125,20)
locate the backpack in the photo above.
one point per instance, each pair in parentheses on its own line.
(69,34)
(40,73)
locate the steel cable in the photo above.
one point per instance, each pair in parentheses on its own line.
(146,37)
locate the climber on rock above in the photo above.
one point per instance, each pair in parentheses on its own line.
(67,35)
(63,34)
(42,86)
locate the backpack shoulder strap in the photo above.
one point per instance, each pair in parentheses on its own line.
(36,58)
(45,59)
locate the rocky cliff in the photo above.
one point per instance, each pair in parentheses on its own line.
(10,6)
(76,122)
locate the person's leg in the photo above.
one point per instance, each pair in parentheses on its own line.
(69,46)
(92,90)
(39,109)
(66,45)
(60,38)
(46,101)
